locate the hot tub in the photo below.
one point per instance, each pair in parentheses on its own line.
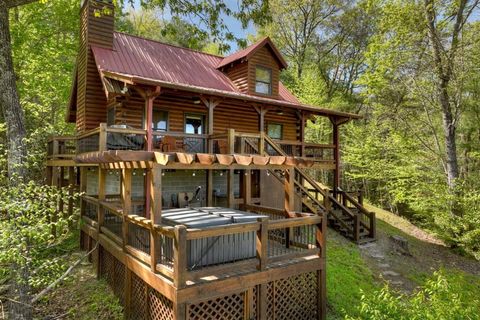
(214,250)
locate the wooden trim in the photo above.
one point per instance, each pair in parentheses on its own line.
(221,230)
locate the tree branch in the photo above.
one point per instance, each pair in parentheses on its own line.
(16,3)
(56,282)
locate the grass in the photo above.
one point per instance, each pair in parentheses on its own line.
(347,277)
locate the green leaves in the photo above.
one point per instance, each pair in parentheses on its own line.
(443,296)
(28,219)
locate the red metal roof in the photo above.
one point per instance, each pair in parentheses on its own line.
(150,59)
(250,50)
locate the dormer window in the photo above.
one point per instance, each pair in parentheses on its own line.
(263,80)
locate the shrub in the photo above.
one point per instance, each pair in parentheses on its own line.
(443,297)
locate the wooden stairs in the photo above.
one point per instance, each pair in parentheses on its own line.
(346,214)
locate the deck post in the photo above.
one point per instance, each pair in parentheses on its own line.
(209,188)
(179,256)
(373,225)
(289,191)
(83,187)
(102,176)
(231,141)
(261,144)
(262,255)
(155,214)
(102,137)
(321,276)
(247,187)
(71,189)
(356,227)
(126,193)
(336,157)
(230,182)
(128,293)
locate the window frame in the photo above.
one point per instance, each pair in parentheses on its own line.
(270,84)
(277,124)
(167,120)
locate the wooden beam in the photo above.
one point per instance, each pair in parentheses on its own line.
(126,194)
(230,188)
(336,157)
(289,189)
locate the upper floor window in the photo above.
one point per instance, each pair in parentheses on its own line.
(160,120)
(263,80)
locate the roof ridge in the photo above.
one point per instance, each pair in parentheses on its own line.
(168,44)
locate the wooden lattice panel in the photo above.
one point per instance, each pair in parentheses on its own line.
(139,297)
(293,298)
(160,307)
(225,308)
(113,271)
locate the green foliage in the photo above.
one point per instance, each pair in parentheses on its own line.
(32,229)
(444,296)
(347,277)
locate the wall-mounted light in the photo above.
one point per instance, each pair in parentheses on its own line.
(196,100)
(124,89)
(279,112)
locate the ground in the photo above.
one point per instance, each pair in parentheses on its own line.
(351,271)
(355,270)
(81,297)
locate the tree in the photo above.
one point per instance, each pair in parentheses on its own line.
(9,100)
(444,35)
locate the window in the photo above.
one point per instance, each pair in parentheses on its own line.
(274,130)
(111,116)
(194,123)
(160,120)
(263,80)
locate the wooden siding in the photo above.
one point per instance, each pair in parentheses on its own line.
(264,58)
(235,115)
(91,100)
(239,75)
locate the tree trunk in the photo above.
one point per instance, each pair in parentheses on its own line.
(449,131)
(9,101)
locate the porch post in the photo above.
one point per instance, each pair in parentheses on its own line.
(262,111)
(149,95)
(336,157)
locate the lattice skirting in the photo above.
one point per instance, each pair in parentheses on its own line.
(146,303)
(293,298)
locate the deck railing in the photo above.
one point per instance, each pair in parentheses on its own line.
(117,138)
(188,256)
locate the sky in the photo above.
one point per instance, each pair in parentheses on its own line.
(232,24)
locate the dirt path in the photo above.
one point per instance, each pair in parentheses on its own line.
(405,269)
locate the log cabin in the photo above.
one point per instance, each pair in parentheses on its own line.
(199,198)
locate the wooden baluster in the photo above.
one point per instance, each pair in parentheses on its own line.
(102,176)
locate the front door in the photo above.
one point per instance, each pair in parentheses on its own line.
(194,125)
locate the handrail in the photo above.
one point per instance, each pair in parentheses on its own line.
(293,222)
(88,133)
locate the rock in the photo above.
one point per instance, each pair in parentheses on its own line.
(400,245)
(384,265)
(390,273)
(367,245)
(377,255)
